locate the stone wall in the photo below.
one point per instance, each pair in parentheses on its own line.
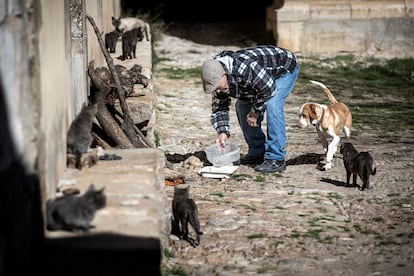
(45,48)
(382,29)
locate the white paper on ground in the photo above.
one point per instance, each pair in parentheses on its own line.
(228,169)
(215,175)
(217,172)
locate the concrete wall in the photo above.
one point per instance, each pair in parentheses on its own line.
(45,48)
(19,92)
(381,29)
(55,75)
(101,11)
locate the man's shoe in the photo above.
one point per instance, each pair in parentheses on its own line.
(271,166)
(251,160)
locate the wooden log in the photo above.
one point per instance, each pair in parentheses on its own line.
(127,124)
(103,116)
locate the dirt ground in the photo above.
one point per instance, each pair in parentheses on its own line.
(302,222)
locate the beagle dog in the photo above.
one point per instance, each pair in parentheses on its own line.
(328,120)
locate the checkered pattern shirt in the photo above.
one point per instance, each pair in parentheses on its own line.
(252,78)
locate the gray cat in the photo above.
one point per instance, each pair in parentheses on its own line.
(80,132)
(75,213)
(185,211)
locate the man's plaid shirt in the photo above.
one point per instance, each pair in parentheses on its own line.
(252,78)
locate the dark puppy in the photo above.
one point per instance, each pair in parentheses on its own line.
(358,164)
(129,44)
(110,40)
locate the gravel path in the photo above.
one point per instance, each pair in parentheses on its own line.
(303,222)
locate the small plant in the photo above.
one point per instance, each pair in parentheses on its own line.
(168,253)
(256,236)
(178,271)
(364,231)
(178,73)
(157,138)
(241,176)
(260,178)
(276,243)
(217,194)
(334,195)
(378,219)
(250,207)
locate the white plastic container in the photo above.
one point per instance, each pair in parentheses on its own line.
(220,156)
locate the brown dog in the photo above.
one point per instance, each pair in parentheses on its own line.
(328,121)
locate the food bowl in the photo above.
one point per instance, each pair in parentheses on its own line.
(220,156)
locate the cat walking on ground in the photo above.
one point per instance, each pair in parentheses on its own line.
(79,137)
(75,213)
(185,211)
(357,164)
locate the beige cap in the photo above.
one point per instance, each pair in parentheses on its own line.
(211,73)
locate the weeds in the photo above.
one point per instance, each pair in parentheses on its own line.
(178,73)
(217,194)
(178,271)
(241,176)
(256,236)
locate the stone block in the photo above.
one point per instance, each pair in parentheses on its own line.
(335,37)
(288,38)
(330,10)
(294,11)
(409,8)
(378,9)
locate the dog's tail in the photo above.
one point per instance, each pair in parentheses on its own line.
(326,90)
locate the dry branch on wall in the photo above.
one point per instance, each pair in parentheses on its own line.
(127,124)
(103,116)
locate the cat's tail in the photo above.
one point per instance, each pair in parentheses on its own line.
(196,226)
(196,223)
(371,165)
(78,158)
(373,169)
(146,31)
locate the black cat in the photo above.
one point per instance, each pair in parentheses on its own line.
(75,213)
(80,132)
(129,44)
(358,164)
(185,211)
(365,167)
(111,39)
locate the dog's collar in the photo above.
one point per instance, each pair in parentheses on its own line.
(318,123)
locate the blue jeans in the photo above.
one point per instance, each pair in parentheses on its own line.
(274,145)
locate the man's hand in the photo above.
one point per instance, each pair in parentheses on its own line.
(252,119)
(221,140)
